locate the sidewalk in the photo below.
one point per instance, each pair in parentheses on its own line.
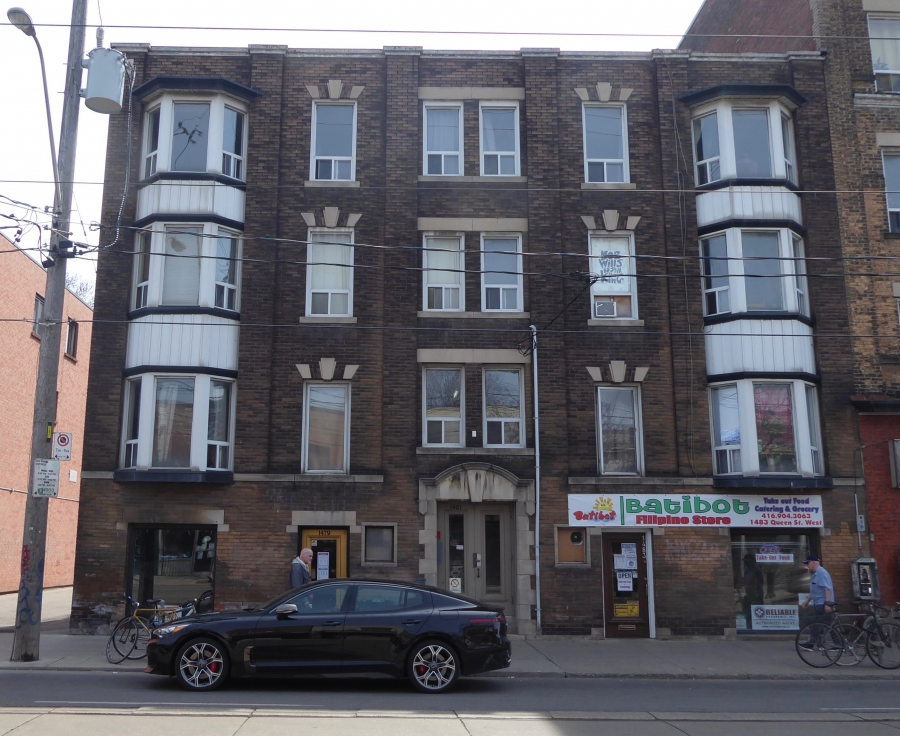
(615,658)
(55,608)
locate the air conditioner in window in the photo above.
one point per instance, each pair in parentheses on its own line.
(605,308)
(894,450)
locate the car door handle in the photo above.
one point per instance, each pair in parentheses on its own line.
(412,621)
(332,623)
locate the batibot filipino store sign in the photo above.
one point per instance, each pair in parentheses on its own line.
(621,509)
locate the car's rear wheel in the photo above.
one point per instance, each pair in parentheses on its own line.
(433,667)
(202,664)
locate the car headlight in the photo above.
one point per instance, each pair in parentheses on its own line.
(168,630)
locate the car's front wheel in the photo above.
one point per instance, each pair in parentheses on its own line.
(202,664)
(433,667)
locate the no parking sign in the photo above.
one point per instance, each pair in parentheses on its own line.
(62,445)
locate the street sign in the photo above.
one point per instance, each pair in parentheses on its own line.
(46,478)
(62,445)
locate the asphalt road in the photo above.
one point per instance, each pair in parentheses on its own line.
(474,695)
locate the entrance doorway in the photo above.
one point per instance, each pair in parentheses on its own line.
(625,585)
(475,552)
(329,548)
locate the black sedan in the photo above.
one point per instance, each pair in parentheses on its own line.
(338,626)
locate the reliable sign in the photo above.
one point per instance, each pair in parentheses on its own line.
(622,509)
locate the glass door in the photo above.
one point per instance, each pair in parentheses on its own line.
(626,608)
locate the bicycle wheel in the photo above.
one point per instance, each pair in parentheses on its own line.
(141,638)
(819,644)
(854,650)
(883,645)
(122,639)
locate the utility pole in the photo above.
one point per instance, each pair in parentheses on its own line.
(26,644)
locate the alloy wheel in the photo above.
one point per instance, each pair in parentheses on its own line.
(201,665)
(434,667)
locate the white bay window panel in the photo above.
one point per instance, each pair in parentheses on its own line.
(605,143)
(759,346)
(444,273)
(614,292)
(181,269)
(442,421)
(329,273)
(326,428)
(443,140)
(619,430)
(191,197)
(884,40)
(499,139)
(334,142)
(503,408)
(206,340)
(748,203)
(501,278)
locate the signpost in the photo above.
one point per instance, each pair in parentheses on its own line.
(46,478)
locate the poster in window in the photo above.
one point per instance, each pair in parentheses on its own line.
(612,263)
(624,582)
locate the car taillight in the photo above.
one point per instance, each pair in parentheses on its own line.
(496,618)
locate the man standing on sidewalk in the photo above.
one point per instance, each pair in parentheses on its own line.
(821,589)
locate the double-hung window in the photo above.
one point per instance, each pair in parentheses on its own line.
(443,140)
(706,149)
(334,141)
(71,338)
(501,266)
(132,422)
(499,139)
(884,40)
(763,282)
(788,148)
(726,430)
(619,430)
(173,422)
(181,266)
(37,328)
(190,136)
(141,269)
(715,275)
(326,427)
(329,273)
(800,283)
(815,430)
(233,144)
(503,408)
(218,443)
(443,402)
(605,143)
(613,292)
(752,150)
(892,189)
(226,270)
(151,142)
(443,277)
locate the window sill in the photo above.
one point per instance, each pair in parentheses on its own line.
(378,564)
(327,320)
(787,482)
(70,358)
(338,184)
(572,565)
(608,185)
(618,480)
(473,315)
(220,477)
(474,179)
(306,477)
(615,323)
(524,451)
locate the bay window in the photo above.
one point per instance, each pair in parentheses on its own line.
(706,149)
(443,273)
(503,408)
(190,135)
(141,270)
(132,422)
(605,143)
(892,190)
(787,146)
(233,144)
(181,265)
(226,270)
(726,430)
(752,150)
(218,445)
(762,272)
(443,401)
(619,430)
(172,423)
(326,427)
(613,292)
(333,141)
(884,41)
(499,139)
(501,265)
(329,273)
(151,142)
(443,140)
(714,262)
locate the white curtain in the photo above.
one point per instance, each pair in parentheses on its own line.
(181,272)
(443,130)
(338,276)
(173,422)
(443,253)
(884,35)
(499,129)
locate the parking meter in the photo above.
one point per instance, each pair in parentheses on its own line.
(864,572)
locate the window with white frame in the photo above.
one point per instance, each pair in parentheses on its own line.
(892,190)
(706,149)
(619,430)
(181,265)
(613,291)
(190,136)
(763,282)
(766,426)
(443,140)
(499,139)
(37,327)
(503,408)
(334,141)
(884,41)
(605,143)
(501,278)
(151,142)
(443,401)
(715,275)
(233,144)
(800,282)
(788,148)
(329,273)
(444,273)
(227,245)
(326,427)
(71,338)
(141,269)
(752,149)
(178,422)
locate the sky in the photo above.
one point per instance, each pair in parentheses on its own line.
(25,167)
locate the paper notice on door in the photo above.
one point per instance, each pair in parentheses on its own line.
(631,609)
(322,566)
(624,562)
(624,582)
(629,549)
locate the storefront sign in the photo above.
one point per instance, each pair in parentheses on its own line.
(774,618)
(322,565)
(624,582)
(631,609)
(777,558)
(620,509)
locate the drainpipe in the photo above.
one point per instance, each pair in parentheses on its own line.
(537,479)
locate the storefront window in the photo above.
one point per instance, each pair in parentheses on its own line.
(770,580)
(174,563)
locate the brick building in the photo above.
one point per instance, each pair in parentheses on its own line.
(22,295)
(860,42)
(321,336)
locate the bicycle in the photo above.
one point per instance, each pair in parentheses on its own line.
(130,636)
(847,639)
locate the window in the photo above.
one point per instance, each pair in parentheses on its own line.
(815,431)
(605,143)
(884,39)
(787,147)
(443,407)
(321,599)
(800,274)
(141,269)
(751,144)
(892,189)
(378,544)
(571,546)
(706,149)
(132,422)
(329,273)
(762,272)
(726,430)
(443,140)
(218,446)
(715,275)
(618,417)
(444,284)
(499,140)
(37,328)
(233,144)
(71,338)
(326,420)
(173,421)
(151,142)
(501,264)
(503,408)
(190,136)
(775,428)
(613,293)
(377,598)
(226,271)
(181,269)
(334,141)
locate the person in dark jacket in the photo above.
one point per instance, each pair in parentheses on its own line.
(300,568)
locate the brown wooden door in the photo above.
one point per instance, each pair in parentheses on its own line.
(625,603)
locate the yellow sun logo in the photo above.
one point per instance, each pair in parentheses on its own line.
(603,504)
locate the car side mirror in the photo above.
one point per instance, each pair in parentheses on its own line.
(285,609)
